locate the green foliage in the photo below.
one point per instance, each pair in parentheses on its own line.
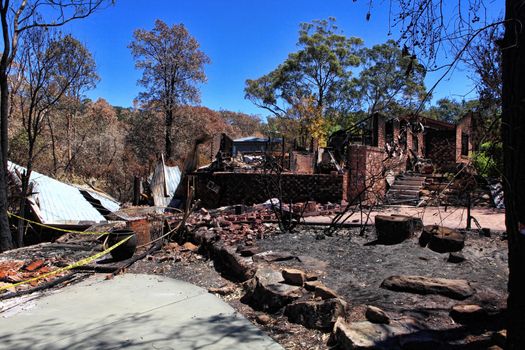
(448,110)
(390,82)
(320,70)
(488,161)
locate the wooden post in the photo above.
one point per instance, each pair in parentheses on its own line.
(469,218)
(137,190)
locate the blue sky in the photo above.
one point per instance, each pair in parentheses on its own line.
(244,39)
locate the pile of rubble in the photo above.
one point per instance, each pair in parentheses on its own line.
(240,223)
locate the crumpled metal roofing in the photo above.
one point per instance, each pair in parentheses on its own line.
(163,184)
(57,203)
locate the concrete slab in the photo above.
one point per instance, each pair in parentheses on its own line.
(132,312)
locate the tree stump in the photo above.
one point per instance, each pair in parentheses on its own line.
(393,229)
(442,239)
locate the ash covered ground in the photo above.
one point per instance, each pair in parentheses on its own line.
(355,267)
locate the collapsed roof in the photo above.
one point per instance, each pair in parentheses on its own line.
(59,204)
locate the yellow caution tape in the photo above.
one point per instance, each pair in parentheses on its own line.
(66,268)
(56,228)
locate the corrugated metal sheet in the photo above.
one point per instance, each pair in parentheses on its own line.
(163,184)
(57,203)
(107,202)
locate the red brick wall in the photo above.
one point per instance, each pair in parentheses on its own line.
(302,163)
(463,126)
(440,148)
(226,188)
(366,174)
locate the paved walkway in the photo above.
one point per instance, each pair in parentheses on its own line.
(454,217)
(132,312)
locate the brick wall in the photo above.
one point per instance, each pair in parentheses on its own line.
(227,188)
(463,128)
(366,175)
(440,148)
(302,163)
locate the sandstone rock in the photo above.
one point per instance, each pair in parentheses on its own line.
(188,246)
(455,258)
(270,256)
(248,251)
(442,239)
(263,319)
(294,277)
(393,229)
(468,313)
(311,285)
(323,292)
(367,335)
(267,291)
(376,315)
(455,289)
(421,341)
(224,290)
(232,264)
(312,276)
(316,314)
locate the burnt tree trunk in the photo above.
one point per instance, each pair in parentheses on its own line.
(513,137)
(6,240)
(169,126)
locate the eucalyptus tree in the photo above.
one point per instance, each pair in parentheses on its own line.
(389,79)
(172,66)
(320,70)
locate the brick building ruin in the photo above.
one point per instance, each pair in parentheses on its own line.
(357,166)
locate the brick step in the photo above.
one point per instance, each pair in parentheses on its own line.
(414,178)
(404,196)
(408,183)
(404,191)
(407,186)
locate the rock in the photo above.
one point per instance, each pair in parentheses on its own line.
(455,289)
(267,291)
(455,258)
(311,285)
(376,315)
(263,319)
(468,313)
(273,256)
(248,251)
(367,335)
(420,341)
(294,277)
(231,264)
(312,276)
(206,237)
(320,314)
(442,239)
(323,292)
(393,229)
(188,246)
(224,290)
